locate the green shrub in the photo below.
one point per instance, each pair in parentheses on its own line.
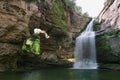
(59,16)
(70,4)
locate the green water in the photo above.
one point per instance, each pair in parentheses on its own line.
(61,74)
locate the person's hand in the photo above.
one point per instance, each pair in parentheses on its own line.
(47,36)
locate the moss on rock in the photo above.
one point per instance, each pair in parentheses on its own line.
(112,66)
(59,16)
(103,49)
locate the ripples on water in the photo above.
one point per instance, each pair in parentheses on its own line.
(62,74)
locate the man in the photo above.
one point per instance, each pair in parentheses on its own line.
(32,44)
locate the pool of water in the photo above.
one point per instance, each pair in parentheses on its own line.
(61,74)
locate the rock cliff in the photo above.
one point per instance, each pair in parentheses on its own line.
(111,12)
(109,43)
(18,18)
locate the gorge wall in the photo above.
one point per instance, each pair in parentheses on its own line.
(109,43)
(111,12)
(18,18)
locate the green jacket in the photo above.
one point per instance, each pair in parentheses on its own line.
(32,45)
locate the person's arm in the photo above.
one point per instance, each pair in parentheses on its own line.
(38,31)
(46,35)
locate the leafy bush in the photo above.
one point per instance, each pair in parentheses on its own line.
(70,4)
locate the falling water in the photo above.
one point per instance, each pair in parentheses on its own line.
(85,50)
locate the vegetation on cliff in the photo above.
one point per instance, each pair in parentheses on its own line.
(107,49)
(59,16)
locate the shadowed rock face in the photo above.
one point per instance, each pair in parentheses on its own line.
(13,30)
(18,18)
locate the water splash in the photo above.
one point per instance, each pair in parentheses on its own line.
(85,50)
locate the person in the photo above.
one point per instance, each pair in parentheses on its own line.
(32,44)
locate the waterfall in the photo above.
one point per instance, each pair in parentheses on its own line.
(85,50)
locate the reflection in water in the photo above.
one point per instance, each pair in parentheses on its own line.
(32,76)
(86,74)
(62,74)
(53,74)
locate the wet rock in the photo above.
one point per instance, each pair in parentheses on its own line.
(49,57)
(8,56)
